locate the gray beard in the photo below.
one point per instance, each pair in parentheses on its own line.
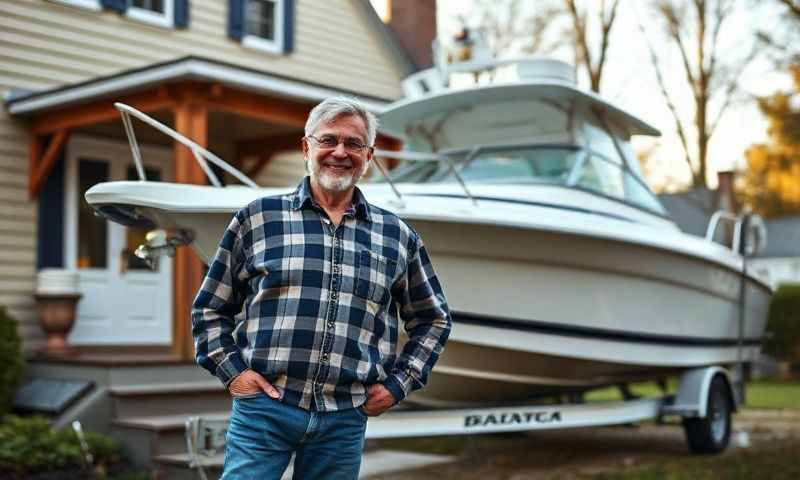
(331,182)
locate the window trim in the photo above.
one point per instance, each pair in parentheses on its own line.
(260,43)
(165,20)
(93,5)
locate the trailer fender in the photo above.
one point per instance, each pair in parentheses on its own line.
(691,399)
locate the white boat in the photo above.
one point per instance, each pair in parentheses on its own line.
(562,270)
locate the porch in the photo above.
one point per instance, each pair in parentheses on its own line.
(253,120)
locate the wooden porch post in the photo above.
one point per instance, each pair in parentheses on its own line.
(191,120)
(385,142)
(41,161)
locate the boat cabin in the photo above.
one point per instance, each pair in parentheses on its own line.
(533,126)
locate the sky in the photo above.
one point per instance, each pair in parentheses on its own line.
(629,83)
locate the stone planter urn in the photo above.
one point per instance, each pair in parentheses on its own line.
(56,301)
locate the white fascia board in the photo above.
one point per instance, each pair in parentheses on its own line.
(188,69)
(262,83)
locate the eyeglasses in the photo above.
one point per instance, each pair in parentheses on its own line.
(352,145)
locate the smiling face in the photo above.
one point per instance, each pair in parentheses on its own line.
(337,169)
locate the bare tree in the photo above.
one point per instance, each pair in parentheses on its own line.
(693,29)
(510,28)
(794,6)
(581,41)
(783,36)
(552,25)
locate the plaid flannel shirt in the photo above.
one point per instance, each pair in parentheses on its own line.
(314,307)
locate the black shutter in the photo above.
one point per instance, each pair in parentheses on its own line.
(50,231)
(236,19)
(119,6)
(181,13)
(288,26)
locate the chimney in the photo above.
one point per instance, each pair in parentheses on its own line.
(725,198)
(413,22)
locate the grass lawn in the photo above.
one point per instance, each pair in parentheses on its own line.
(775,462)
(646,452)
(760,394)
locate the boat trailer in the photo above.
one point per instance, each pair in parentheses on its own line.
(705,401)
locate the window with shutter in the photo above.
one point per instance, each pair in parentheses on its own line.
(155,12)
(266,25)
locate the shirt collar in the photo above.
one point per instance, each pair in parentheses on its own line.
(302,197)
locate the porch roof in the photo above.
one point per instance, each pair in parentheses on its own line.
(26,103)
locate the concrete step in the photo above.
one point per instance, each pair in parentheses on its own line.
(149,436)
(111,371)
(183,398)
(176,466)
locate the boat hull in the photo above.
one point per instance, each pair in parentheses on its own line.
(540,313)
(550,307)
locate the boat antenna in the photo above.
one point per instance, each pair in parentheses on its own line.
(201,154)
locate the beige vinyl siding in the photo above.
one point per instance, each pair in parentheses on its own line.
(334,44)
(45,44)
(285,169)
(17,232)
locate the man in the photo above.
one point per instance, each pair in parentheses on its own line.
(298,314)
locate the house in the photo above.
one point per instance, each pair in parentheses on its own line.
(692,210)
(236,76)
(780,260)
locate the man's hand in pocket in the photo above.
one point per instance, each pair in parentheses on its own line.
(379,399)
(250,383)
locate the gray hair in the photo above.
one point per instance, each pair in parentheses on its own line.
(334,107)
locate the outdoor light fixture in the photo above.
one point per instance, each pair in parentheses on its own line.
(161,242)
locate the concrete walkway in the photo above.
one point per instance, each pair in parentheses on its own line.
(378,462)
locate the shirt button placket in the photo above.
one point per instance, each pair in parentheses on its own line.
(327,342)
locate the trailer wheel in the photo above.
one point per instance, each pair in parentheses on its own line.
(712,433)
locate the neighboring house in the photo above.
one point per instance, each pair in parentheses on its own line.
(237,76)
(690,210)
(779,261)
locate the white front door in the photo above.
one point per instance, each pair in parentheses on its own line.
(124,302)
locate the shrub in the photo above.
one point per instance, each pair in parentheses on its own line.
(784,324)
(10,359)
(30,448)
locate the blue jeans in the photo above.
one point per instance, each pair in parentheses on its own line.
(263,433)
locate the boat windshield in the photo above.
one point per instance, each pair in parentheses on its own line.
(535,164)
(560,164)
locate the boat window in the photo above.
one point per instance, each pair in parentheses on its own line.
(633,159)
(518,165)
(600,142)
(409,172)
(639,194)
(549,165)
(602,176)
(535,164)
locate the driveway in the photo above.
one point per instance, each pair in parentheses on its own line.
(581,453)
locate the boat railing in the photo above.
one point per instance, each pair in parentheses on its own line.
(420,157)
(744,225)
(203,156)
(722,217)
